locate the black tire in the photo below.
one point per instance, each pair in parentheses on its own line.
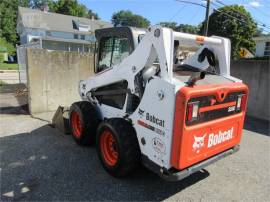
(89,118)
(126,144)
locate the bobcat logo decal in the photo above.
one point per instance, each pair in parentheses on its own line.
(198,143)
(141,112)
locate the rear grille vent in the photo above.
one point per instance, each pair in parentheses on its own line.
(210,108)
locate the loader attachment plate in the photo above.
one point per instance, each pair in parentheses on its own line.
(216,126)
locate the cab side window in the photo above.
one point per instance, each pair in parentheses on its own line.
(120,50)
(105,53)
(112,51)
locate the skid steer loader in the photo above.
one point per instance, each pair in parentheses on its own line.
(144,105)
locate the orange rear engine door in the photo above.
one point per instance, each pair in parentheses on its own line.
(217,127)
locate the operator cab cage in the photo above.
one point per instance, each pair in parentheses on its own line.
(210,53)
(132,56)
(117,42)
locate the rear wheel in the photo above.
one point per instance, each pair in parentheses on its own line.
(84,121)
(117,147)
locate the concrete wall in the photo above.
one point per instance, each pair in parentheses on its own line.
(53,78)
(256,75)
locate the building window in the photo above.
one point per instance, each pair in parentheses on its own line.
(76,36)
(82,37)
(267,49)
(48,33)
(75,25)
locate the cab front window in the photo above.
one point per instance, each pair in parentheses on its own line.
(112,51)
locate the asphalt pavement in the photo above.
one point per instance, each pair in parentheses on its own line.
(39,163)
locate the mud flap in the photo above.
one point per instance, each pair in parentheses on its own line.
(60,120)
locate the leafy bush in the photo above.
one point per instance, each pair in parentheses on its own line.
(258,58)
(10,48)
(2,57)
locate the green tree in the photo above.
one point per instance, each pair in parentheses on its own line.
(69,7)
(39,4)
(72,7)
(235,23)
(172,25)
(91,14)
(9,10)
(259,32)
(191,29)
(4,44)
(66,7)
(8,19)
(127,18)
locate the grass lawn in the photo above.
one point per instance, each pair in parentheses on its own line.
(5,66)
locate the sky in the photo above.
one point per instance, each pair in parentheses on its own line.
(171,10)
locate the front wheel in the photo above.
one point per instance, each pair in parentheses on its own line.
(84,121)
(117,147)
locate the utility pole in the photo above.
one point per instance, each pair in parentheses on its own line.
(206,21)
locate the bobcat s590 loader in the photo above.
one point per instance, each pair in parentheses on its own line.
(144,106)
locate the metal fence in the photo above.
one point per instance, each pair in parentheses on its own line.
(68,45)
(21,57)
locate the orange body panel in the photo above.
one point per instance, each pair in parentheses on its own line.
(213,136)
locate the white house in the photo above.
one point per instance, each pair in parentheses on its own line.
(52,31)
(56,31)
(262,46)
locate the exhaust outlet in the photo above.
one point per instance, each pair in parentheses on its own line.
(195,77)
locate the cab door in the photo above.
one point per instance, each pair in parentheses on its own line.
(113,48)
(114,44)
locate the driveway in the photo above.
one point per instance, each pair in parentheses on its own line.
(9,76)
(40,163)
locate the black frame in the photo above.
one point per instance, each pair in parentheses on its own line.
(113,94)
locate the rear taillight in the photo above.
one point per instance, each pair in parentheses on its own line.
(241,102)
(193,109)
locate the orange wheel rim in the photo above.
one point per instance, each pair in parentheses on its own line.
(76,124)
(108,148)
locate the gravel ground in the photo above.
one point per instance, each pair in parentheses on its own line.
(40,163)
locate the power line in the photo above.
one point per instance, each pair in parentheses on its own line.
(206,20)
(261,12)
(178,11)
(189,2)
(213,9)
(257,21)
(192,17)
(217,9)
(244,22)
(182,8)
